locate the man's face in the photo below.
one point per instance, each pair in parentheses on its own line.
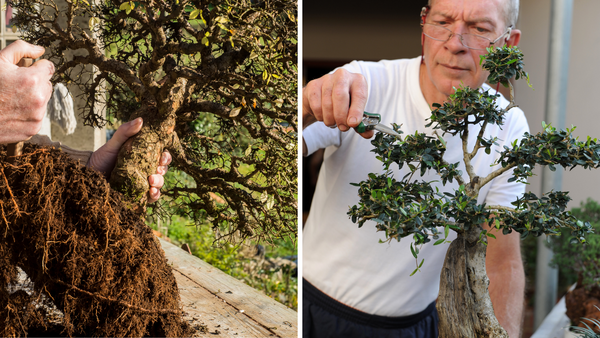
(450,64)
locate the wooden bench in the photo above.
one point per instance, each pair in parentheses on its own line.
(217,304)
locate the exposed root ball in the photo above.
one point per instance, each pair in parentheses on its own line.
(84,252)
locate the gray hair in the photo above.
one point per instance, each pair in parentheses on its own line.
(511,12)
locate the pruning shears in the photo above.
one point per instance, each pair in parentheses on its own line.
(371,121)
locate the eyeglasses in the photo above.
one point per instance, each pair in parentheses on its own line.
(471,41)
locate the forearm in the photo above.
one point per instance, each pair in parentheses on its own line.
(507,288)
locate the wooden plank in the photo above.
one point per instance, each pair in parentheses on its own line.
(267,313)
(207,313)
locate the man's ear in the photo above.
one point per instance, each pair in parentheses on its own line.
(514,38)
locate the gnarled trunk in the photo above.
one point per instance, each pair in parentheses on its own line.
(464,303)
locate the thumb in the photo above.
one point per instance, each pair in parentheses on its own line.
(124,132)
(19,49)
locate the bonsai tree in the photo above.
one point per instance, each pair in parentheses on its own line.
(216,85)
(403,207)
(580,263)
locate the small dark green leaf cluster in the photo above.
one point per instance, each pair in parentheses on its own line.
(504,63)
(400,209)
(550,147)
(466,106)
(545,215)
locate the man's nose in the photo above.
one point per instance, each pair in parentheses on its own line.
(455,43)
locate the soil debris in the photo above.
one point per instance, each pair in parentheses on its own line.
(84,252)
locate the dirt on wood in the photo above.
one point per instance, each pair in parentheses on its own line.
(85,253)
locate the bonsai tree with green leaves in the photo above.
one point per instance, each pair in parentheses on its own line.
(216,84)
(404,207)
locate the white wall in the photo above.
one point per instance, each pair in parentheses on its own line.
(582,85)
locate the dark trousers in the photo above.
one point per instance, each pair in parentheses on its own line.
(325,317)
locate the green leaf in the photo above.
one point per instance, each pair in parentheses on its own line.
(417,269)
(422,261)
(446,230)
(439,241)
(491,235)
(412,250)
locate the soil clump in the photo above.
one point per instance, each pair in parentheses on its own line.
(583,302)
(84,252)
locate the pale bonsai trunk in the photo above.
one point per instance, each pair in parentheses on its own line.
(464,304)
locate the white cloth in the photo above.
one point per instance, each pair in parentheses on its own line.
(348,263)
(61,109)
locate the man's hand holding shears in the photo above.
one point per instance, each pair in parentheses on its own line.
(339,100)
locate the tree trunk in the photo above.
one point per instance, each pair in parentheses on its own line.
(138,158)
(464,304)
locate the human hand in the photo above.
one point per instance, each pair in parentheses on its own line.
(337,99)
(24,92)
(105,158)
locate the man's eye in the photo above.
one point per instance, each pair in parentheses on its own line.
(481,30)
(441,23)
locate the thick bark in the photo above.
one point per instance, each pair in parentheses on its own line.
(464,304)
(139,156)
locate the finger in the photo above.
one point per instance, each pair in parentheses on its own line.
(162,169)
(156,181)
(341,99)
(326,101)
(19,49)
(153,195)
(311,102)
(165,159)
(358,100)
(368,134)
(123,133)
(43,67)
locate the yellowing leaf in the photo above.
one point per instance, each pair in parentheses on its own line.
(222,19)
(235,112)
(243,102)
(93,22)
(125,6)
(264,196)
(14,28)
(194,14)
(265,75)
(270,203)
(254,103)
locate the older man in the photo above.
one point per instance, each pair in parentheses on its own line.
(24,94)
(355,287)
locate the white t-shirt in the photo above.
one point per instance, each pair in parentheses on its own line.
(348,263)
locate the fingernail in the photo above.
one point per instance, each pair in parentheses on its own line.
(343,127)
(353,120)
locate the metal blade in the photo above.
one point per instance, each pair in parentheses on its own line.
(387,130)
